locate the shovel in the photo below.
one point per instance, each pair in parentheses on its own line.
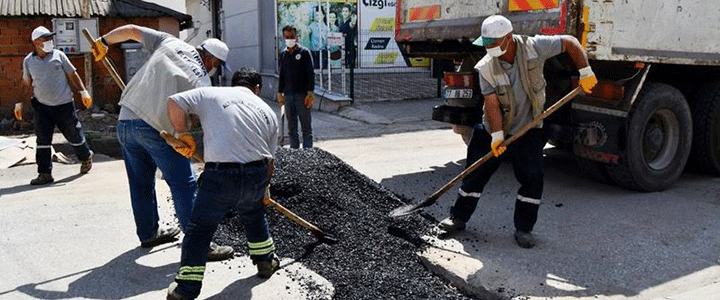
(411,208)
(321,235)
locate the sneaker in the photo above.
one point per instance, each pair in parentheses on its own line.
(218,253)
(43,178)
(448,227)
(268,267)
(87,164)
(172,295)
(524,239)
(163,236)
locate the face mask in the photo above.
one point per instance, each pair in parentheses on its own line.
(212,71)
(290,43)
(496,51)
(47,46)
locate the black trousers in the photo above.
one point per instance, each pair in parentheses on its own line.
(46,119)
(527,158)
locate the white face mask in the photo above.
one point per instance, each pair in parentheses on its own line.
(212,71)
(47,46)
(290,43)
(496,51)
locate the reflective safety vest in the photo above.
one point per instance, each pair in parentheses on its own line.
(531,75)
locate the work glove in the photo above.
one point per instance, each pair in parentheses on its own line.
(496,145)
(187,145)
(99,48)
(309,99)
(18,111)
(86,99)
(281,98)
(587,79)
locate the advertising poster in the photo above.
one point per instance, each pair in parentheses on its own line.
(311,19)
(377,38)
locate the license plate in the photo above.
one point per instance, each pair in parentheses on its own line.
(458,93)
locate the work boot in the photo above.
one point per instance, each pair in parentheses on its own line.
(163,236)
(448,227)
(524,239)
(218,253)
(172,295)
(267,267)
(43,178)
(87,164)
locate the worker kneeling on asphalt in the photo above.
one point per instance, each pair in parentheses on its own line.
(240,139)
(173,66)
(512,83)
(51,75)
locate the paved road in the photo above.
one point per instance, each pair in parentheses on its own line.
(595,241)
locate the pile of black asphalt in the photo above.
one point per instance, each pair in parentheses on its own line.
(375,256)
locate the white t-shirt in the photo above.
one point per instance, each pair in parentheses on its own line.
(237,125)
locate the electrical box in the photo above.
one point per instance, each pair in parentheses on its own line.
(135,58)
(69,37)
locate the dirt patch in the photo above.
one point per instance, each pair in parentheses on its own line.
(376,257)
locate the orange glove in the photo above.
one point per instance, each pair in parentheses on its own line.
(188,146)
(99,48)
(86,99)
(18,111)
(496,145)
(587,79)
(309,100)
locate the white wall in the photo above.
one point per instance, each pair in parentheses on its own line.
(239,23)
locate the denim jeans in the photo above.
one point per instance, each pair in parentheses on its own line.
(222,190)
(527,158)
(145,151)
(296,110)
(63,116)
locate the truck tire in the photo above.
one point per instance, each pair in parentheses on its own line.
(705,154)
(659,138)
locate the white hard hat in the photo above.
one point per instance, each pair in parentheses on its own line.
(41,31)
(493,28)
(215,47)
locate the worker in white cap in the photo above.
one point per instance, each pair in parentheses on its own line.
(53,79)
(173,66)
(512,83)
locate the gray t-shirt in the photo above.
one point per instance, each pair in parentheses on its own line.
(150,39)
(546,46)
(237,125)
(49,77)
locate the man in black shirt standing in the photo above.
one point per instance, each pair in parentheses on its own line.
(297,83)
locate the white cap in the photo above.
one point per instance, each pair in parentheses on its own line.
(493,28)
(215,47)
(41,31)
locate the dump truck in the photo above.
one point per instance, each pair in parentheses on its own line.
(655,109)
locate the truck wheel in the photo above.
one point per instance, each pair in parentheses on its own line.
(658,140)
(705,154)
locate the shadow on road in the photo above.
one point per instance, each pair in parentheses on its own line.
(29,187)
(120,278)
(593,238)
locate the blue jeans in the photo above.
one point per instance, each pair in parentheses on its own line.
(296,110)
(145,151)
(63,116)
(527,159)
(224,188)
